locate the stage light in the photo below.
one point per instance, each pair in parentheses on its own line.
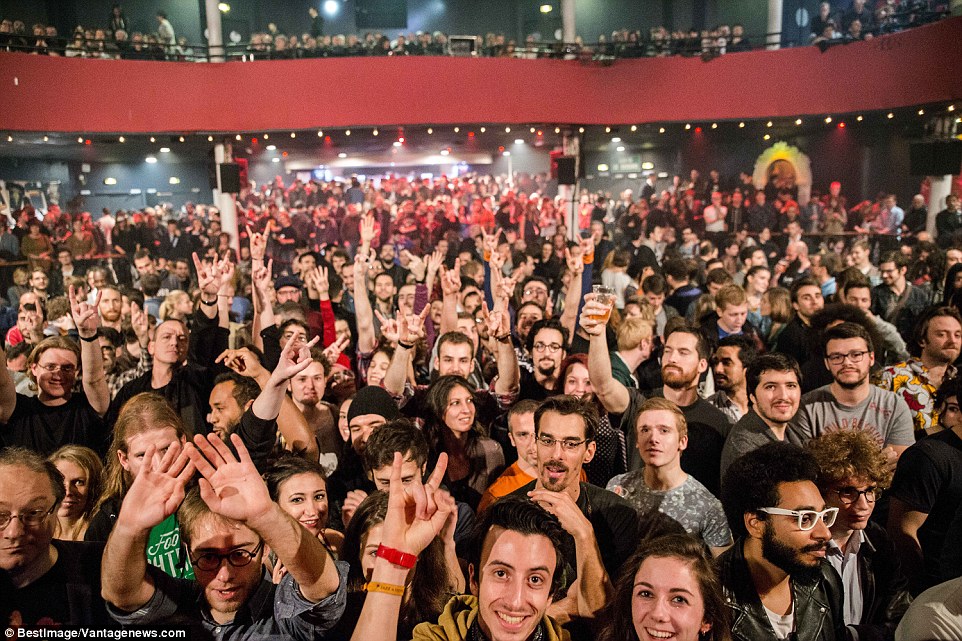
(375,132)
(768,124)
(634,127)
(518,141)
(890,115)
(620,148)
(271,147)
(546,8)
(661,130)
(616,139)
(151,159)
(828,119)
(798,121)
(859,118)
(122,139)
(342,155)
(293,135)
(766,136)
(181,139)
(714,125)
(687,126)
(331,7)
(430,131)
(165,150)
(210,139)
(457,130)
(237,138)
(741,125)
(347,133)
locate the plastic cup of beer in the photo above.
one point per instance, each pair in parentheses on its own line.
(605,296)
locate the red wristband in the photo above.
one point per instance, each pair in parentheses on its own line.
(397,557)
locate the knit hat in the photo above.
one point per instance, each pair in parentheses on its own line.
(373,399)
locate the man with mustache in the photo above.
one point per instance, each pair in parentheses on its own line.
(777,582)
(565,431)
(850,401)
(732,358)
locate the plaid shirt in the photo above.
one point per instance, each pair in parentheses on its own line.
(117,380)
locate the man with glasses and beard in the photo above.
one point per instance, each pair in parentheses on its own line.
(548,345)
(776,579)
(850,401)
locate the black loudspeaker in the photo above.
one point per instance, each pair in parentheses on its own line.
(942,158)
(566,170)
(381,14)
(230,182)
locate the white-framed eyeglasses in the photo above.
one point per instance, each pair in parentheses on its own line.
(806,518)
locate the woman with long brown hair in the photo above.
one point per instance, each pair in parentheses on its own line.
(83,480)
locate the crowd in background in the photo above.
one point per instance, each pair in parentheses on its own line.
(116,40)
(706,390)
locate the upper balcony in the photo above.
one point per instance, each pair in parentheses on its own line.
(45,94)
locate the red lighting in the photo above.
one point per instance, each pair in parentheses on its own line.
(841,125)
(540,133)
(284,153)
(470,134)
(254,140)
(401,139)
(501,148)
(327,139)
(697,130)
(88,142)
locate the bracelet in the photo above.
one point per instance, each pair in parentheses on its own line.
(405,345)
(397,557)
(209,303)
(386,588)
(504,338)
(92,339)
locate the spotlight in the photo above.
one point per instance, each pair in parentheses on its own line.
(342,155)
(687,127)
(581,130)
(741,125)
(457,130)
(320,133)
(152,139)
(828,119)
(430,131)
(347,133)
(151,159)
(661,130)
(121,139)
(634,127)
(237,137)
(766,136)
(768,124)
(80,139)
(518,141)
(798,121)
(921,112)
(507,130)
(375,132)
(890,115)
(859,118)
(607,130)
(714,125)
(181,139)
(165,150)
(266,136)
(293,135)
(620,148)
(271,147)
(546,8)
(210,139)
(616,139)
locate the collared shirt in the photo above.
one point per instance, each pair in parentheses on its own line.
(845,563)
(910,380)
(730,408)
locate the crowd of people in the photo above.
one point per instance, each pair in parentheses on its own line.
(115,40)
(422,409)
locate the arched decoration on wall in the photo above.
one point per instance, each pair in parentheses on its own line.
(788,167)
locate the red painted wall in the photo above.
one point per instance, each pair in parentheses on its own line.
(920,66)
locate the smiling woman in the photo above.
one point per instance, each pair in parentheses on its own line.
(668,590)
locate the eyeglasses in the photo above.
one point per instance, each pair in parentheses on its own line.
(806,518)
(66,369)
(838,359)
(568,445)
(849,495)
(31,519)
(532,292)
(551,348)
(237,558)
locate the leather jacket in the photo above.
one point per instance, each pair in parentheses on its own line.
(817,604)
(885,590)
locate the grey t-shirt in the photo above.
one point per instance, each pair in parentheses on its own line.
(882,413)
(691,504)
(747,435)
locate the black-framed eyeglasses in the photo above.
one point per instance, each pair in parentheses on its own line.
(567,444)
(237,558)
(29,519)
(849,495)
(838,359)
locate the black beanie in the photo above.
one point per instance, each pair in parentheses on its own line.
(373,399)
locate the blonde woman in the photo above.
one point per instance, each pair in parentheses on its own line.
(176,306)
(83,480)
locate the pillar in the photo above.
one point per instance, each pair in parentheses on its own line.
(939,188)
(225,202)
(774,38)
(568,32)
(215,35)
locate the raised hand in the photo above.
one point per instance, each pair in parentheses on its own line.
(225,275)
(363,263)
(353,499)
(261,276)
(416,265)
(158,490)
(231,486)
(451,279)
(242,361)
(489,242)
(435,260)
(207,276)
(85,316)
(321,284)
(333,351)
(564,507)
(591,314)
(415,513)
(411,326)
(258,244)
(293,359)
(575,263)
(139,322)
(389,327)
(367,229)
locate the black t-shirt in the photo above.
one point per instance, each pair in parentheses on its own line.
(928,479)
(615,523)
(68,594)
(531,388)
(44,429)
(707,428)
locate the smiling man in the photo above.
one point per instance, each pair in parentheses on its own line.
(776,580)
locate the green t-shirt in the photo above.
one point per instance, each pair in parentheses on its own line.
(164,550)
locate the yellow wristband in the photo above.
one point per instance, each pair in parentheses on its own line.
(386,588)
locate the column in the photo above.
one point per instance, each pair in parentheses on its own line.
(215,35)
(570,145)
(774,39)
(225,202)
(568,32)
(939,188)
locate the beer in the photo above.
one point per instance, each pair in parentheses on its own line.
(605,296)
